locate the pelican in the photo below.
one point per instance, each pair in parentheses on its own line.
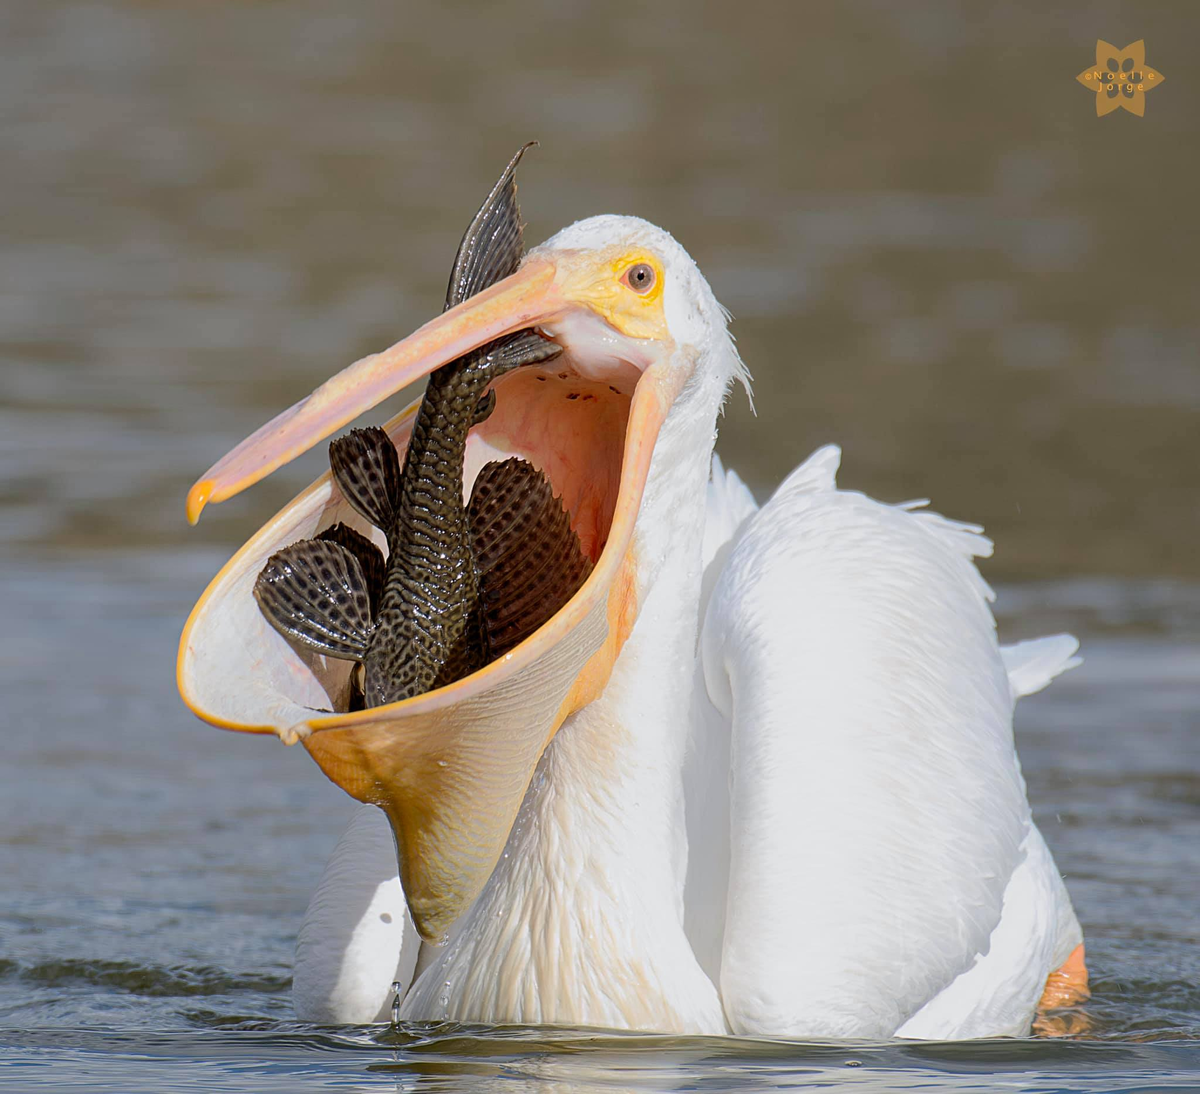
(757,776)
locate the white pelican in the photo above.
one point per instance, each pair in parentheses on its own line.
(757,776)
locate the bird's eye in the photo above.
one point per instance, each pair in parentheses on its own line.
(640,278)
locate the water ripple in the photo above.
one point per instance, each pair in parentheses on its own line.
(143,980)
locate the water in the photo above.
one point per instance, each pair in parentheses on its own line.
(466,1059)
(208,208)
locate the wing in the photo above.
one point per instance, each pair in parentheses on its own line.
(877,813)
(357,937)
(998,995)
(730,507)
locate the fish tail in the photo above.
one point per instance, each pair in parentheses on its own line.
(493,243)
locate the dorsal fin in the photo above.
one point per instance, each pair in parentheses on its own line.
(529,559)
(492,246)
(370,559)
(313,592)
(367,470)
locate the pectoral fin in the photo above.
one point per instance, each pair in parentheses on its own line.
(314,593)
(370,559)
(528,557)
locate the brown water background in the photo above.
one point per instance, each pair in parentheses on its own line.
(937,256)
(936,253)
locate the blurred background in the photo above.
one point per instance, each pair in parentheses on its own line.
(936,255)
(934,251)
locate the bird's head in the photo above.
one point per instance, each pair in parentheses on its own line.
(644,341)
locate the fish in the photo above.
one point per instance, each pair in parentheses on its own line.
(462,583)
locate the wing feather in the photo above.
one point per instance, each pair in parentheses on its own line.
(877,810)
(357,936)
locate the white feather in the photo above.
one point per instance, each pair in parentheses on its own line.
(1033,664)
(877,807)
(357,936)
(804,817)
(998,995)
(729,505)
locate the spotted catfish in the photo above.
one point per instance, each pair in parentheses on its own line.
(461,584)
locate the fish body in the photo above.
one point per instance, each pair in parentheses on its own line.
(429,629)
(418,621)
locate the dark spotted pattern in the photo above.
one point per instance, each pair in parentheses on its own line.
(424,625)
(528,557)
(370,559)
(314,593)
(368,476)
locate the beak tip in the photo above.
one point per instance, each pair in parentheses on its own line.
(434,927)
(197,498)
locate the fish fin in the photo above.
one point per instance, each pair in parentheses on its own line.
(529,559)
(484,410)
(357,699)
(367,469)
(370,559)
(493,243)
(526,347)
(314,593)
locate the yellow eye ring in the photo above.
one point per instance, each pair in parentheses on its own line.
(640,278)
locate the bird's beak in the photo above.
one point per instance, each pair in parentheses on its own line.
(528,297)
(449,767)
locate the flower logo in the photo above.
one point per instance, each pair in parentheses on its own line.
(1120,78)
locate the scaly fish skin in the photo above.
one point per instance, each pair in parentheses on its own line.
(429,630)
(418,621)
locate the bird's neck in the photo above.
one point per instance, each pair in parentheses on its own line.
(582,921)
